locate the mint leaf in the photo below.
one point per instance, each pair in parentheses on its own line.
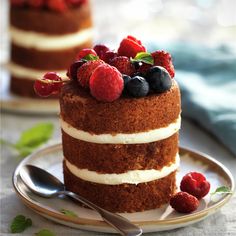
(45,232)
(33,138)
(91,57)
(68,213)
(144,57)
(222,190)
(20,223)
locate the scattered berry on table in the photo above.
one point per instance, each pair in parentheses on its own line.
(196,184)
(72,70)
(162,58)
(184,202)
(130,46)
(137,87)
(158,79)
(46,87)
(85,71)
(106,83)
(123,64)
(84,52)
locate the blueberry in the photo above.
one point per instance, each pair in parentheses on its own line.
(137,87)
(159,79)
(126,79)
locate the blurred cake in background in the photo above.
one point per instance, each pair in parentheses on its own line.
(45,36)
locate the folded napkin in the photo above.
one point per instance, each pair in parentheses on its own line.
(207,79)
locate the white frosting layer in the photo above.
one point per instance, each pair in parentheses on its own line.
(122,138)
(29,39)
(130,177)
(28,73)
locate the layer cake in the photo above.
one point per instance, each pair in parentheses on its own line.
(45,38)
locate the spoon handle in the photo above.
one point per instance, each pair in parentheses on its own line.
(124,226)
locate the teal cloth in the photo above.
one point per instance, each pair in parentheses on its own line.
(207,79)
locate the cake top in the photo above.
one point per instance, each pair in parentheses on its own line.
(107,74)
(51,5)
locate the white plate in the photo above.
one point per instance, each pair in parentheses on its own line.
(165,218)
(17,104)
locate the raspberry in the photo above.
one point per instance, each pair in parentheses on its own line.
(196,184)
(84,52)
(184,203)
(108,56)
(100,49)
(85,71)
(36,3)
(46,86)
(57,5)
(130,46)
(162,58)
(123,64)
(18,3)
(106,83)
(144,68)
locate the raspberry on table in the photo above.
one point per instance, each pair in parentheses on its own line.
(184,202)
(85,71)
(162,58)
(106,83)
(123,64)
(130,46)
(196,184)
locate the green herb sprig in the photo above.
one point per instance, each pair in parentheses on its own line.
(31,138)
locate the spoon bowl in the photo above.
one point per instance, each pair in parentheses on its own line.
(41,182)
(46,185)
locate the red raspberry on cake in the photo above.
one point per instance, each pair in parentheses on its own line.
(76,2)
(184,203)
(123,64)
(100,49)
(130,46)
(106,83)
(57,5)
(196,184)
(84,52)
(85,71)
(162,58)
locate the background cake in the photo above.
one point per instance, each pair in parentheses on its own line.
(45,36)
(120,116)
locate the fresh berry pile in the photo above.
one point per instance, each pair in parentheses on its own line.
(130,71)
(194,186)
(54,5)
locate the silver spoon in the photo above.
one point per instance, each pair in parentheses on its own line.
(46,185)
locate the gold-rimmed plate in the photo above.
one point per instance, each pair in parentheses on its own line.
(164,218)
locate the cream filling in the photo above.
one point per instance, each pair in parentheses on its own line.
(28,73)
(29,39)
(122,138)
(130,177)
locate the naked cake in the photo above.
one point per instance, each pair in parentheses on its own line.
(45,36)
(120,116)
